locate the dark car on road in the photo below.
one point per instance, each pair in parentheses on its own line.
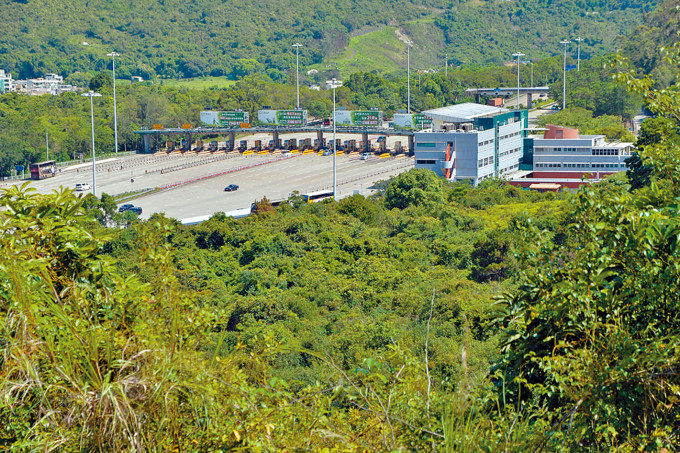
(125,207)
(231,188)
(136,209)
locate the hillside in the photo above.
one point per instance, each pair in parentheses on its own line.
(173,38)
(659,28)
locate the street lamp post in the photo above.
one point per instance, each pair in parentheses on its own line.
(113,56)
(532,74)
(518,55)
(408,76)
(92,94)
(335,144)
(297,70)
(578,54)
(564,80)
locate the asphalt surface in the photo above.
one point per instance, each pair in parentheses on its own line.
(185,186)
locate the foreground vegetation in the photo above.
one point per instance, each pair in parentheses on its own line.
(435,317)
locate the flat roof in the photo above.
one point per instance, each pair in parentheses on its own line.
(545,185)
(465,112)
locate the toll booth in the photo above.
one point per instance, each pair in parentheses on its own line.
(169,145)
(199,145)
(382,147)
(320,144)
(292,144)
(286,144)
(306,143)
(213,146)
(352,145)
(258,145)
(397,147)
(243,146)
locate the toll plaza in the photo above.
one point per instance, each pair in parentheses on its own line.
(321,132)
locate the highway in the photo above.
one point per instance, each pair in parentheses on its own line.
(199,181)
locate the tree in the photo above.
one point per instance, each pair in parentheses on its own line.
(414,188)
(593,331)
(101,82)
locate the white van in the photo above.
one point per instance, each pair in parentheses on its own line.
(82,186)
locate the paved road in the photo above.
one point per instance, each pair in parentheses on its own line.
(203,179)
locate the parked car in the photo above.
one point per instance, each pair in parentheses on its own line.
(136,209)
(82,186)
(231,188)
(366,156)
(125,207)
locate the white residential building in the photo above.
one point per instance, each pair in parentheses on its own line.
(5,81)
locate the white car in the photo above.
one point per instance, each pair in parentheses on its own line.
(82,186)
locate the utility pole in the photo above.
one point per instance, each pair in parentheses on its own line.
(408,76)
(564,81)
(297,71)
(518,55)
(113,56)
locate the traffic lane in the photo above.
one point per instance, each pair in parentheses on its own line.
(276,181)
(122,181)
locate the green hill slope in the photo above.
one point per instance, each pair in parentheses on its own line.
(173,38)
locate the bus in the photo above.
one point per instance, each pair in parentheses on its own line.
(42,170)
(254,208)
(313,197)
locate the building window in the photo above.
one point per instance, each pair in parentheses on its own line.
(425,162)
(426,145)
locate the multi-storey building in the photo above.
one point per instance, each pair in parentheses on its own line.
(563,153)
(5,81)
(471,142)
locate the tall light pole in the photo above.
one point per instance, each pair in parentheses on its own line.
(92,94)
(113,56)
(518,55)
(297,70)
(564,80)
(532,74)
(408,76)
(578,54)
(335,143)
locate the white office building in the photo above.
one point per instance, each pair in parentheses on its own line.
(563,153)
(472,142)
